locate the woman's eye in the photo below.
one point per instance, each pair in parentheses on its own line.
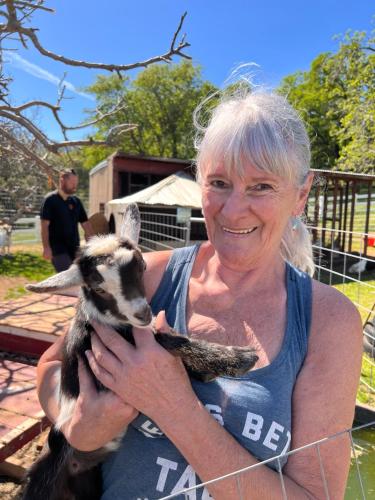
(217,183)
(261,187)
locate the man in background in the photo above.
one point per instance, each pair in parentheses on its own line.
(60,214)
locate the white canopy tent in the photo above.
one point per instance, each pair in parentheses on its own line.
(166,209)
(178,190)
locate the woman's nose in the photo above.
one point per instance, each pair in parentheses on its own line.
(235,205)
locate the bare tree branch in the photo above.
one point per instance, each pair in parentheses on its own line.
(48,169)
(25,122)
(32,6)
(26,105)
(14,26)
(20,136)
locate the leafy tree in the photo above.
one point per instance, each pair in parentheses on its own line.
(336,97)
(161,101)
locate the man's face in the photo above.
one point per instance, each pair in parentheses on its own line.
(69,184)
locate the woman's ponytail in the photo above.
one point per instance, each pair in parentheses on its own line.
(296,246)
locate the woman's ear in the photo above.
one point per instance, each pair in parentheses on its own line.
(303,194)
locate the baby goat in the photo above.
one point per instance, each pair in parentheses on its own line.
(110,273)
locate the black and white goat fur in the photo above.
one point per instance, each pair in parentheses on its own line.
(110,273)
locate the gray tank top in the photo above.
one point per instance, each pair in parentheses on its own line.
(254,408)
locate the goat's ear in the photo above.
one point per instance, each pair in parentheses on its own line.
(131,223)
(66,279)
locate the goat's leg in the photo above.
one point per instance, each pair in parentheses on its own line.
(207,360)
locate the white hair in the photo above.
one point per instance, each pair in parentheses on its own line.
(262,129)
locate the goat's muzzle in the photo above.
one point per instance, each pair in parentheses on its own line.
(144,316)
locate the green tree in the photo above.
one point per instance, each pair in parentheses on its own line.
(353,74)
(160,101)
(336,97)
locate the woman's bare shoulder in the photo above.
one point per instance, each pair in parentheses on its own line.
(336,332)
(332,311)
(325,390)
(156,263)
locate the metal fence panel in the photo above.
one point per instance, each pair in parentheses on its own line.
(200,491)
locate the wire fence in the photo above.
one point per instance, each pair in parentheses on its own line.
(25,230)
(349,268)
(9,205)
(358,486)
(350,271)
(163,231)
(353,273)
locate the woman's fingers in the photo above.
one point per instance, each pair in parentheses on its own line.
(145,336)
(161,323)
(86,384)
(104,376)
(112,340)
(103,356)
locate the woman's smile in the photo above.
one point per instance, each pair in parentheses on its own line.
(239,232)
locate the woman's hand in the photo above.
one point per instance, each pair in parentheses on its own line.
(99,416)
(145,376)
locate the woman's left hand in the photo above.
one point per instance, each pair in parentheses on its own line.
(144,376)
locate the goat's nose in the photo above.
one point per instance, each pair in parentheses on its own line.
(144,314)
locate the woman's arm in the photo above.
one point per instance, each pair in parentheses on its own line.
(103,411)
(325,392)
(48,379)
(154,382)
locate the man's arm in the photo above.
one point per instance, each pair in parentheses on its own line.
(83,220)
(44,229)
(87,230)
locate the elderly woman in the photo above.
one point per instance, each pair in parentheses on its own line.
(248,284)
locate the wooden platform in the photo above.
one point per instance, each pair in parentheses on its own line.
(27,326)
(30,324)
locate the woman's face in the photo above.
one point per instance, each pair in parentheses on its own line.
(246,217)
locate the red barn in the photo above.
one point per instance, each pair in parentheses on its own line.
(124,174)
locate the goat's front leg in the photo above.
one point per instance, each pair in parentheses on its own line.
(207,360)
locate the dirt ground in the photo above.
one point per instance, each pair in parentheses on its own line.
(10,488)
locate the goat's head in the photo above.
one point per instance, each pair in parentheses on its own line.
(110,271)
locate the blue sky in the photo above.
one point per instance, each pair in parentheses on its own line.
(281,37)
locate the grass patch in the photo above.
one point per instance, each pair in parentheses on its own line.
(364,394)
(362,294)
(29,265)
(15,292)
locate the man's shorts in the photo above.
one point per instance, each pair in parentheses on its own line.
(61,262)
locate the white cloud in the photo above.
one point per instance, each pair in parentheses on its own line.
(19,62)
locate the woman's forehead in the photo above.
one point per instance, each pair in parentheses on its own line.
(245,171)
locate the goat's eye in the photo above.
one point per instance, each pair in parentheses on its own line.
(99,290)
